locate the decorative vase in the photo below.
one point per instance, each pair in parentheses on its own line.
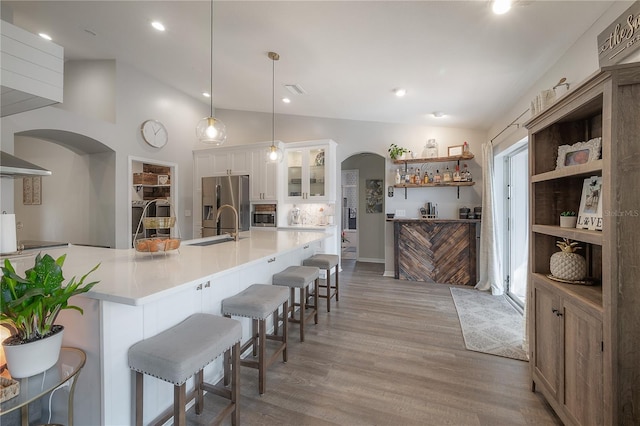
(29,359)
(568,266)
(568,221)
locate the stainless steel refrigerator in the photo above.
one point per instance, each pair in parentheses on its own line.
(218,191)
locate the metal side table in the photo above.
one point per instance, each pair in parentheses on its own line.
(32,388)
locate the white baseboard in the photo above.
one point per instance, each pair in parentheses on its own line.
(370,260)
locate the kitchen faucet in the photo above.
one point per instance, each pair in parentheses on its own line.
(235,235)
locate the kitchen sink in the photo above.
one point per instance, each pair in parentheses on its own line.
(213,242)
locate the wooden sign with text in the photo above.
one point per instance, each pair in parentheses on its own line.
(621,38)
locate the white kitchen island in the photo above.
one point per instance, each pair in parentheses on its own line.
(140,295)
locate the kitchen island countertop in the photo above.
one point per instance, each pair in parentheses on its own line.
(136,278)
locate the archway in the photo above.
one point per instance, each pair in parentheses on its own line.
(364,227)
(77,201)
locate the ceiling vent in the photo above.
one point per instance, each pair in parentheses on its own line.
(296,89)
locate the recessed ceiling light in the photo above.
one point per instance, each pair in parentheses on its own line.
(158,25)
(400,92)
(438,114)
(45,36)
(501,7)
(206,95)
(286,100)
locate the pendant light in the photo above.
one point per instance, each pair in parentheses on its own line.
(274,154)
(210,130)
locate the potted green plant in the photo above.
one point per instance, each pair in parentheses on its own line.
(396,152)
(568,219)
(30,306)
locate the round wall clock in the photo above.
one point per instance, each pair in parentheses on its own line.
(154,133)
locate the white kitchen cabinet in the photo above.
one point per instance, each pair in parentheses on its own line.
(310,171)
(230,162)
(264,176)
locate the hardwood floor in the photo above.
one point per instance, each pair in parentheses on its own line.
(390,352)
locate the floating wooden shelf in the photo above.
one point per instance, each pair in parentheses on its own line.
(434,160)
(584,235)
(433,185)
(589,169)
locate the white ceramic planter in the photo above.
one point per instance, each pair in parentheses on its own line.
(33,358)
(568,221)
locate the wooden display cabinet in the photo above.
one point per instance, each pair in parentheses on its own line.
(583,339)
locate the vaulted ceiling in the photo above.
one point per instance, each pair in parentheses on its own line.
(451,56)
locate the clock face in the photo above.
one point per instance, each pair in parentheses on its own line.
(154,133)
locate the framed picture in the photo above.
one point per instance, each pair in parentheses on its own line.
(590,213)
(454,151)
(374,195)
(578,153)
(32,190)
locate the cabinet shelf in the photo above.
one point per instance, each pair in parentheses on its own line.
(589,169)
(434,160)
(584,235)
(433,185)
(589,295)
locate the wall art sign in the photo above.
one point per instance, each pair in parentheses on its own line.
(621,38)
(590,213)
(32,190)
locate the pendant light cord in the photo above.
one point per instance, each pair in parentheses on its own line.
(273,101)
(211,58)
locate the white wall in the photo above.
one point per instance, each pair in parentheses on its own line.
(138,97)
(90,88)
(576,65)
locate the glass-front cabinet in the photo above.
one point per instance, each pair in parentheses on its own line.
(308,176)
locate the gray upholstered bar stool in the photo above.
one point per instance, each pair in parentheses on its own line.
(258,302)
(184,350)
(327,262)
(300,277)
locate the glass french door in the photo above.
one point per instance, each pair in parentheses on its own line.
(517,223)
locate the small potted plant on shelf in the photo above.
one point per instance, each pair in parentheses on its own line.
(396,152)
(30,306)
(568,219)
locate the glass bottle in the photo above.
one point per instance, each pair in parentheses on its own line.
(398,176)
(412,176)
(430,149)
(465,148)
(437,178)
(466,177)
(456,174)
(446,175)
(418,179)
(431,178)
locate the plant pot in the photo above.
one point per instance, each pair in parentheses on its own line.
(29,359)
(568,221)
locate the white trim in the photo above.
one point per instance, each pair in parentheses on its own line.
(370,260)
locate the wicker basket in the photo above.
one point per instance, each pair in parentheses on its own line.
(158,222)
(157,245)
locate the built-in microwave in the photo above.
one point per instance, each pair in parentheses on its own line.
(264,219)
(264,215)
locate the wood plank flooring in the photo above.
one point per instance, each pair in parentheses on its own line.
(390,352)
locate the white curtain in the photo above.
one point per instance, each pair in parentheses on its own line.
(490,270)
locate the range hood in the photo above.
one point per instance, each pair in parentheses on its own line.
(14,167)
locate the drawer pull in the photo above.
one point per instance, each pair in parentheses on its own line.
(199,287)
(306,247)
(207,284)
(273,259)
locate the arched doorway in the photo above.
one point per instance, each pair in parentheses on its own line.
(363,198)
(77,202)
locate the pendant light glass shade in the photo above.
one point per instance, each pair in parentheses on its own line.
(210,130)
(273,154)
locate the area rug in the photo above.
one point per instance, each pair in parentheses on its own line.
(489,323)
